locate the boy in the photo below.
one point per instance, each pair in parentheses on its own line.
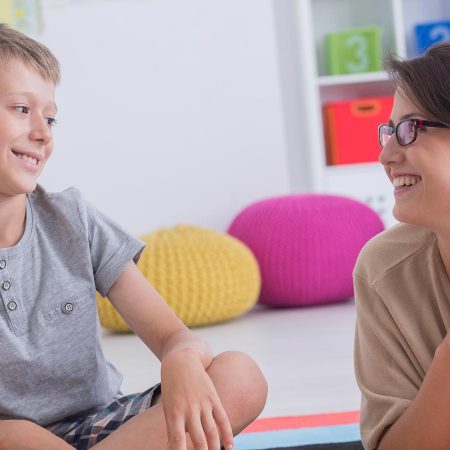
(56,389)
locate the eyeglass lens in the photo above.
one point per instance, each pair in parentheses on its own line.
(406,132)
(385,134)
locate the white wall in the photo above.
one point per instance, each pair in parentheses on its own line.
(169,110)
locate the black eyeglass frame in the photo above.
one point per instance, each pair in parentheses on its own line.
(419,125)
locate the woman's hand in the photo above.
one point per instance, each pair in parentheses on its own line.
(445,344)
(191,404)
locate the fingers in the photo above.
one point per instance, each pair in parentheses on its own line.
(176,434)
(204,430)
(197,433)
(224,426)
(211,431)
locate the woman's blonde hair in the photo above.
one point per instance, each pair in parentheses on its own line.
(16,46)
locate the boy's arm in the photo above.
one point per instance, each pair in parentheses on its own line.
(189,398)
(149,316)
(26,435)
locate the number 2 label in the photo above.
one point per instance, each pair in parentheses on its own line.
(440,33)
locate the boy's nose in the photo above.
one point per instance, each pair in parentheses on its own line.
(40,131)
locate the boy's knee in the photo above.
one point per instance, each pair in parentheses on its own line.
(248,386)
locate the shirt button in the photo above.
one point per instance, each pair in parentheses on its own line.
(2,264)
(12,305)
(6,285)
(67,308)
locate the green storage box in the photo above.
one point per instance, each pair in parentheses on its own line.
(354,50)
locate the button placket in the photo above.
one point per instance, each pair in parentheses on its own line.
(12,305)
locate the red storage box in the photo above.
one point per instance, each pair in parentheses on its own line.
(351,129)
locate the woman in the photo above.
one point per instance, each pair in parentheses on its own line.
(402,288)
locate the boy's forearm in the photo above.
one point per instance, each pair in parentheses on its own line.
(25,435)
(425,424)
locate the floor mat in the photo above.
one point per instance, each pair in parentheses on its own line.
(343,446)
(338,431)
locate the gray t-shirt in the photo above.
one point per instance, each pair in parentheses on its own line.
(51,362)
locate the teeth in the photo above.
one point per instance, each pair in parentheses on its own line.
(27,158)
(405,181)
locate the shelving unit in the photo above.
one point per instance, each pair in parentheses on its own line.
(362,78)
(301,29)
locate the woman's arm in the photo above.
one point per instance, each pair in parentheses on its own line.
(26,435)
(425,424)
(405,401)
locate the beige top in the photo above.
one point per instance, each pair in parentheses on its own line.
(403,314)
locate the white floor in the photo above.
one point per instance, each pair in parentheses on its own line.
(305,353)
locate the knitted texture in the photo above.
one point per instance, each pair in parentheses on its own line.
(205,276)
(306,245)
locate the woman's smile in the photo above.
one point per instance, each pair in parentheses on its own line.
(405,183)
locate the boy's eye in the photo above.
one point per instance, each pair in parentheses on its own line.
(51,121)
(22,109)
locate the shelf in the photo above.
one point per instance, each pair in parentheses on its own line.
(366,167)
(358,78)
(308,87)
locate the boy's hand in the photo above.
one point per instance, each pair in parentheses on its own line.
(191,404)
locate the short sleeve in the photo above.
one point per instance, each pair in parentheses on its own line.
(384,373)
(111,247)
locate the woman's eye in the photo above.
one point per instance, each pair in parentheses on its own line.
(22,109)
(51,121)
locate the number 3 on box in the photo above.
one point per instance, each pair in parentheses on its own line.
(359,46)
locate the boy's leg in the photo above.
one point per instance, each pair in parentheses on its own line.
(241,388)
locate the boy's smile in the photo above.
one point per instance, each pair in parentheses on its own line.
(30,162)
(27,114)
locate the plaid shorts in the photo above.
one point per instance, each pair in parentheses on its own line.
(82,432)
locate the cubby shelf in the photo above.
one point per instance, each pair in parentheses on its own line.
(336,80)
(303,25)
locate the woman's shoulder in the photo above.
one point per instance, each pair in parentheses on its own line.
(390,248)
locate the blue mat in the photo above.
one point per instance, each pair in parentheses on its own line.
(343,446)
(325,437)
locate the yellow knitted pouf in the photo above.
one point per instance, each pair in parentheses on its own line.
(205,276)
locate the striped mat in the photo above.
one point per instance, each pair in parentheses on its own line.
(314,432)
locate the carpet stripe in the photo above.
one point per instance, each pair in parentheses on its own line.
(315,420)
(301,436)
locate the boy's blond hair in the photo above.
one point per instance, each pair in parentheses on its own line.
(16,46)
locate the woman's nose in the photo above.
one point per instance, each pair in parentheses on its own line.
(392,152)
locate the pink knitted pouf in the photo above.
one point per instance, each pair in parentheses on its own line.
(306,246)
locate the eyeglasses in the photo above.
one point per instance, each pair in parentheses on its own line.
(405,131)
